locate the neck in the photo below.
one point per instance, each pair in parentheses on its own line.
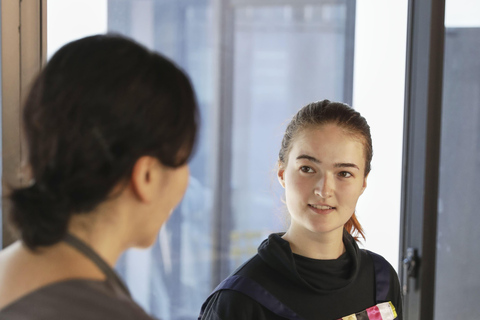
(315,245)
(104,232)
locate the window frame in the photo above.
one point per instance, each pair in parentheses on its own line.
(421,152)
(23,55)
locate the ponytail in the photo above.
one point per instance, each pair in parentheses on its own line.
(41,218)
(355,228)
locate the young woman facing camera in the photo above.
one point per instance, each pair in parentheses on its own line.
(110,127)
(315,270)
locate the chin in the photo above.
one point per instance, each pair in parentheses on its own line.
(323,228)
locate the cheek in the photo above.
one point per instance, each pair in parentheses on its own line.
(183,176)
(349,194)
(297,186)
(176,188)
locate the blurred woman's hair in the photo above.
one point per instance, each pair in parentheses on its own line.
(100,103)
(326,112)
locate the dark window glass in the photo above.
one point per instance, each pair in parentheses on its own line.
(457,281)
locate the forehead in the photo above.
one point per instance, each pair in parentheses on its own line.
(328,143)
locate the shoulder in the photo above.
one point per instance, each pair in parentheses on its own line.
(381,265)
(251,267)
(225,302)
(387,282)
(233,305)
(75,300)
(254,268)
(379,262)
(232,299)
(24,272)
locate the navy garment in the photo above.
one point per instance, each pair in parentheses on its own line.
(308,288)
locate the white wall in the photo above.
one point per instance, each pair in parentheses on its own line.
(378,93)
(462,13)
(74,19)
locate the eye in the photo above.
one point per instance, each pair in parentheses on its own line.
(345,174)
(306,169)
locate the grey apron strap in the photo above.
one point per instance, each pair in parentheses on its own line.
(95,258)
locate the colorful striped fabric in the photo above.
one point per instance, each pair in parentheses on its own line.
(382,311)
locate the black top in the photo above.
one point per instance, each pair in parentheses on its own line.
(78,299)
(314,289)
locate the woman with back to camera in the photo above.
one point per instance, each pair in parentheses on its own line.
(110,127)
(315,270)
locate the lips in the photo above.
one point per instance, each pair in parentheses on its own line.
(321,208)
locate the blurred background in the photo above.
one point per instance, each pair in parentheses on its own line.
(253,64)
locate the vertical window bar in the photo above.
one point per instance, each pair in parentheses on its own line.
(23,53)
(349,51)
(10,104)
(423,96)
(222,215)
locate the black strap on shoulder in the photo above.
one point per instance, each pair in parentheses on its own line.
(382,277)
(255,291)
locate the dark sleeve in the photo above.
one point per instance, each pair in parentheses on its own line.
(396,293)
(233,305)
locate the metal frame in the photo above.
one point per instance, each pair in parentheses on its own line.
(23,54)
(423,101)
(1,160)
(349,51)
(224,43)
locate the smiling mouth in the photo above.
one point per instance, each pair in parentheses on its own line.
(321,207)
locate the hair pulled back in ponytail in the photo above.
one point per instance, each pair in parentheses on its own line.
(325,112)
(40,217)
(101,103)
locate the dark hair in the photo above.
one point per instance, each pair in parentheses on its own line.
(100,104)
(327,112)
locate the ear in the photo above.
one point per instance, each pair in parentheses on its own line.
(281,174)
(144,179)
(364,184)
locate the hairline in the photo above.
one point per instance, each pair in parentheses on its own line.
(310,125)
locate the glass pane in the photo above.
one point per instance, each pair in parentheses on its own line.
(458,237)
(273,78)
(171,279)
(378,93)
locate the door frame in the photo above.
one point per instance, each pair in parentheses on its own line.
(23,53)
(421,152)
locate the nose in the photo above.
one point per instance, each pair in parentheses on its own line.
(324,187)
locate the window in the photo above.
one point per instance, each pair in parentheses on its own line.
(457,235)
(253,65)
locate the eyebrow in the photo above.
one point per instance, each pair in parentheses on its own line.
(337,165)
(304,156)
(346,165)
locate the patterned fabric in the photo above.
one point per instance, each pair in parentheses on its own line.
(382,311)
